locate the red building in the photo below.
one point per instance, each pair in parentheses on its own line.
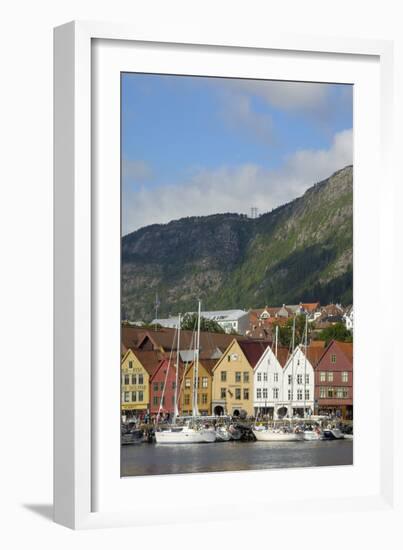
(334,381)
(162,385)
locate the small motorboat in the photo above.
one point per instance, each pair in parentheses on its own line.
(234,432)
(330,434)
(222,433)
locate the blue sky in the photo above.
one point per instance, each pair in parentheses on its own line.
(197,146)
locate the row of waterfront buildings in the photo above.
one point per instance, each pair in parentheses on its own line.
(235,373)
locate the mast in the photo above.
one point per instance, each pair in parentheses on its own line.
(276,339)
(292,367)
(306,351)
(177,372)
(157,303)
(196,365)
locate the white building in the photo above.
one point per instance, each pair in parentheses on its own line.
(231,320)
(268,382)
(348,318)
(299,382)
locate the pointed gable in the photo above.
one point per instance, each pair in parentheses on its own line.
(253,350)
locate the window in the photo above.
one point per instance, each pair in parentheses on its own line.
(339,393)
(237,377)
(130,364)
(298,362)
(155,400)
(246,377)
(134,379)
(259,376)
(289,379)
(127,397)
(259,393)
(134,396)
(204,398)
(344,376)
(345,393)
(307,395)
(299,378)
(289,395)
(223,393)
(246,393)
(161,386)
(238,393)
(323,377)
(330,376)
(141,379)
(275,393)
(204,382)
(299,395)
(173,385)
(307,379)
(187,382)
(141,396)
(322,393)
(229,358)
(265,376)
(155,386)
(275,377)
(127,379)
(333,358)
(187,399)
(264,393)
(330,392)
(223,376)
(198,398)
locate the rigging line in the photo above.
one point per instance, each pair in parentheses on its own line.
(185,369)
(166,376)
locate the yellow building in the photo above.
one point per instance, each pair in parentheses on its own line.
(204,392)
(135,385)
(233,377)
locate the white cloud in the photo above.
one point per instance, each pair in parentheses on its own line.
(236,189)
(238,113)
(286,95)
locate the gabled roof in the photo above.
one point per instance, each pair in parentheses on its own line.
(346,348)
(311,307)
(150,360)
(253,350)
(165,339)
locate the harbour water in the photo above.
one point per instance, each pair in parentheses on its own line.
(151,459)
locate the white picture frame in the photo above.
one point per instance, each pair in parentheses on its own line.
(88,491)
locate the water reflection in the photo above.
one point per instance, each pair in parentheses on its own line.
(148,459)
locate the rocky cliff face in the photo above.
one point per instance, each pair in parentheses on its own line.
(301,251)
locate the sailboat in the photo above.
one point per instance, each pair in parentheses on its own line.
(190,433)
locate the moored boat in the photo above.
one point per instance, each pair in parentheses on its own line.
(222,433)
(331,434)
(234,432)
(270,434)
(185,434)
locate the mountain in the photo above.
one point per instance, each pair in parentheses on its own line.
(301,251)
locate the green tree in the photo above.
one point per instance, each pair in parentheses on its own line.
(189,322)
(336,332)
(285,331)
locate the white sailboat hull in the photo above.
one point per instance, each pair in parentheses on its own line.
(268,435)
(312,436)
(187,435)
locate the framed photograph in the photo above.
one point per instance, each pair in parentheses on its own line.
(221,237)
